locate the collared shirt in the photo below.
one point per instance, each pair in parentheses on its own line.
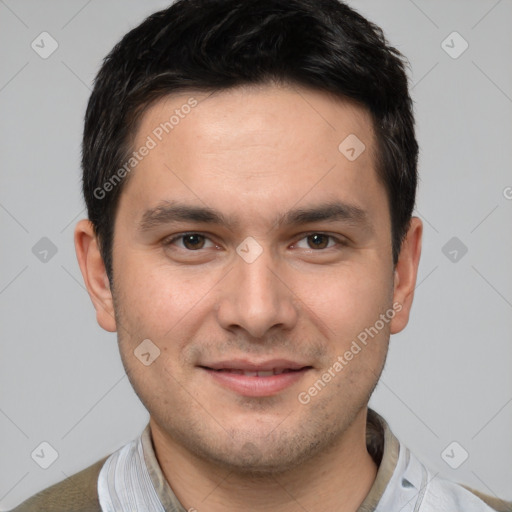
(132,480)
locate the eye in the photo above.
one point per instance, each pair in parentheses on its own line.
(317,241)
(190,241)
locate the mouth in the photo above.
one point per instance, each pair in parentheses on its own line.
(257,373)
(256,379)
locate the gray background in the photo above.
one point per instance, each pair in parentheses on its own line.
(448,375)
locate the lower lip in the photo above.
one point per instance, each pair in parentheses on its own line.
(256,386)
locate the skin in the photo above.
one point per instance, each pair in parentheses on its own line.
(254,154)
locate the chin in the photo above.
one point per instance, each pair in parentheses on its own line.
(264,455)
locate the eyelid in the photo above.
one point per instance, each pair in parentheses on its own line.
(339,240)
(173,238)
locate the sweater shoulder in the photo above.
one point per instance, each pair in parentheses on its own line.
(495,503)
(77,493)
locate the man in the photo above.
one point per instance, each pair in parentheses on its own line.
(249,170)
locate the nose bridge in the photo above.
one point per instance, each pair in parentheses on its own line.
(255,298)
(259,283)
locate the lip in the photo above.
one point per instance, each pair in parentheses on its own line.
(229,375)
(255,366)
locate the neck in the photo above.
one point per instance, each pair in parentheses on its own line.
(337,479)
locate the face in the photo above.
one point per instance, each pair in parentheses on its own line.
(254,252)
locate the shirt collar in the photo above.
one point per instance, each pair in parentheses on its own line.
(132,475)
(384,448)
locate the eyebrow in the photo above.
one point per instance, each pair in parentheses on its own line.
(333,211)
(171,211)
(168,212)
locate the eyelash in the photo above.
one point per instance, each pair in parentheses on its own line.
(339,242)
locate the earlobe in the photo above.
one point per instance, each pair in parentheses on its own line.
(94,274)
(406,272)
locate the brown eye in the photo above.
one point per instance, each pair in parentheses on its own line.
(193,241)
(318,241)
(188,242)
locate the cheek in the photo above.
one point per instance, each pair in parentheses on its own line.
(348,300)
(155,299)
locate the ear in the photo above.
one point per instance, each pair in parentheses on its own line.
(406,271)
(94,274)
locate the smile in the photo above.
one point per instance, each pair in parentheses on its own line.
(260,373)
(256,380)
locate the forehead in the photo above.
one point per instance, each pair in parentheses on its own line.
(272,146)
(253,115)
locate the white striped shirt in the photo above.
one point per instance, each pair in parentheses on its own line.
(131,480)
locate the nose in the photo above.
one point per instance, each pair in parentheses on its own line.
(256,298)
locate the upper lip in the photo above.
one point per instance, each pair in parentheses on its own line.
(254,366)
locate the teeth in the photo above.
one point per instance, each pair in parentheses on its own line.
(261,373)
(266,373)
